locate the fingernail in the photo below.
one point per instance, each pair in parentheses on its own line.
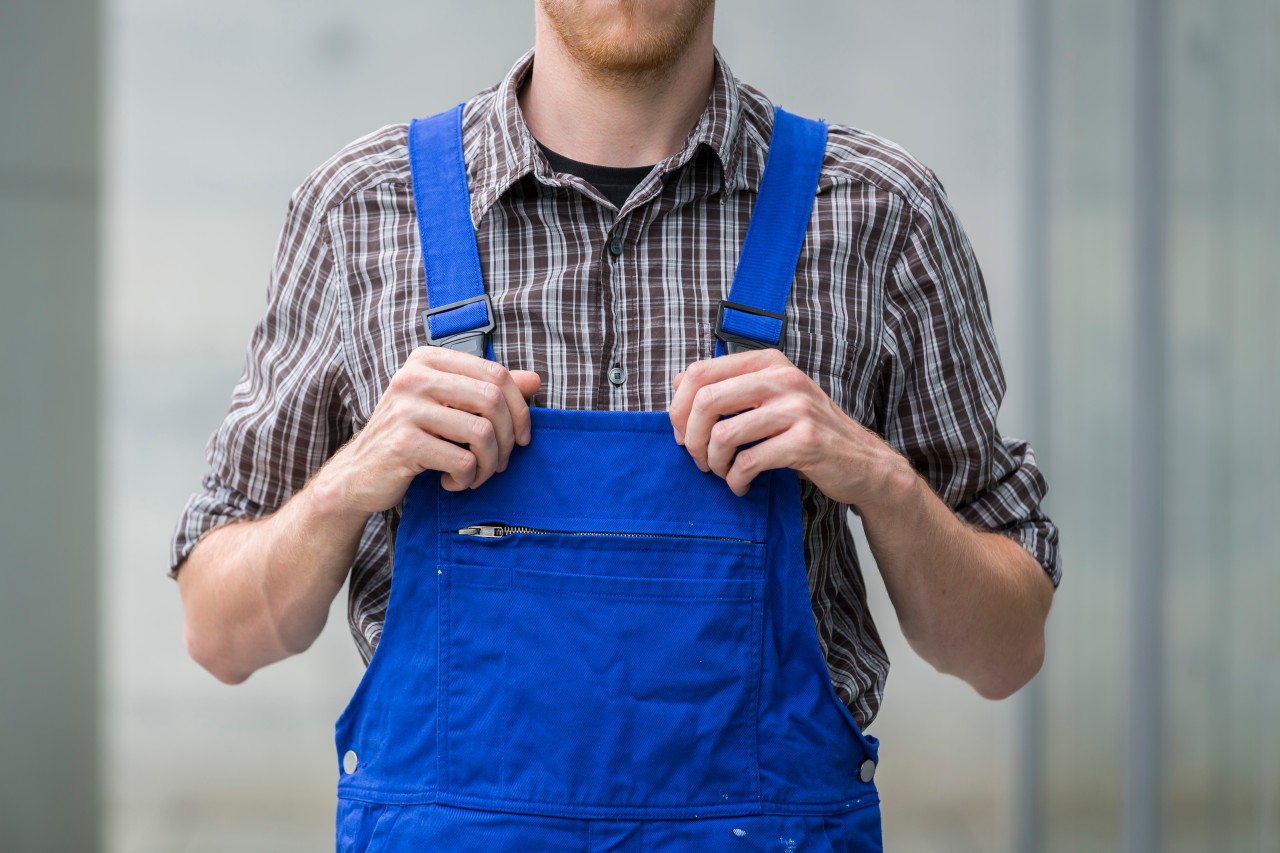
(679,435)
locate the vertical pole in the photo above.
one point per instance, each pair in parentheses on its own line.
(1029,745)
(49,150)
(1146,605)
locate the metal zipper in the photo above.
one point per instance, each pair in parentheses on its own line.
(495,531)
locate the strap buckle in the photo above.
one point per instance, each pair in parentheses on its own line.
(472,341)
(734,343)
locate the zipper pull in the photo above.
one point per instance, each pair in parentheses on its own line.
(484,531)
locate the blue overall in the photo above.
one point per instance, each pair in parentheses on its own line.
(603,648)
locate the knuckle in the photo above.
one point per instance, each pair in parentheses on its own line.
(705,396)
(465,462)
(491,400)
(427,382)
(401,443)
(482,428)
(806,434)
(788,376)
(494,372)
(724,431)
(796,409)
(401,380)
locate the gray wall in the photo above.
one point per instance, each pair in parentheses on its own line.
(1217,119)
(49,367)
(213,113)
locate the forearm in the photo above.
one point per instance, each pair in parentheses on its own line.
(258,591)
(971,602)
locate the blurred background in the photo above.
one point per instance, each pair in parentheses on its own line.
(1114,162)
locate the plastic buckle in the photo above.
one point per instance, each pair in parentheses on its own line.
(740,343)
(472,341)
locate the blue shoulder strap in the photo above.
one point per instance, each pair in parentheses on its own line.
(460,315)
(751,318)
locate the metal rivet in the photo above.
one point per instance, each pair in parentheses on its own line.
(616,246)
(617,375)
(867,770)
(350,762)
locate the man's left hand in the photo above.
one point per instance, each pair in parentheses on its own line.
(759,398)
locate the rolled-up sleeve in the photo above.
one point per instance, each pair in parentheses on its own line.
(288,411)
(941,385)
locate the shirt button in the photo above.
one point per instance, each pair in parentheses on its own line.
(617,375)
(615,246)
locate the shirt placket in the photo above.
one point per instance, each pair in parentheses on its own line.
(617,277)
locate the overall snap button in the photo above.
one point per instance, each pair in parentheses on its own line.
(349,762)
(617,375)
(867,770)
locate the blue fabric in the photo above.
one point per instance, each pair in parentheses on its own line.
(371,827)
(779,220)
(447,235)
(636,668)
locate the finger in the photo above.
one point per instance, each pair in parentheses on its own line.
(730,434)
(474,431)
(528,384)
(452,361)
(677,430)
(721,399)
(517,407)
(795,447)
(709,371)
(750,461)
(527,381)
(457,465)
(475,397)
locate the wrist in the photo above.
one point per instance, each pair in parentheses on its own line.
(897,490)
(328,499)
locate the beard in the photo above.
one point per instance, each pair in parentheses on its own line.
(626,39)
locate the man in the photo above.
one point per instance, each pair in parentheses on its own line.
(610,180)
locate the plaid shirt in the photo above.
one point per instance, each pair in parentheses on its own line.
(888,313)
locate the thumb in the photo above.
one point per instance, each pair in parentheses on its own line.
(527,382)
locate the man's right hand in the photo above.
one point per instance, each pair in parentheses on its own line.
(443,411)
(259,591)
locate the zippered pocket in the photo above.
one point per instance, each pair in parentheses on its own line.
(635,554)
(497,531)
(569,658)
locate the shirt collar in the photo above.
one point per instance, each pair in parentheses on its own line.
(500,150)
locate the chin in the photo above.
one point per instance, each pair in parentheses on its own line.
(626,36)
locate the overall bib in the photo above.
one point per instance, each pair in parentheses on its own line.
(603,648)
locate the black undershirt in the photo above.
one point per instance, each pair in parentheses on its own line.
(614,182)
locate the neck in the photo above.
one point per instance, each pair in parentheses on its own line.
(615,120)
